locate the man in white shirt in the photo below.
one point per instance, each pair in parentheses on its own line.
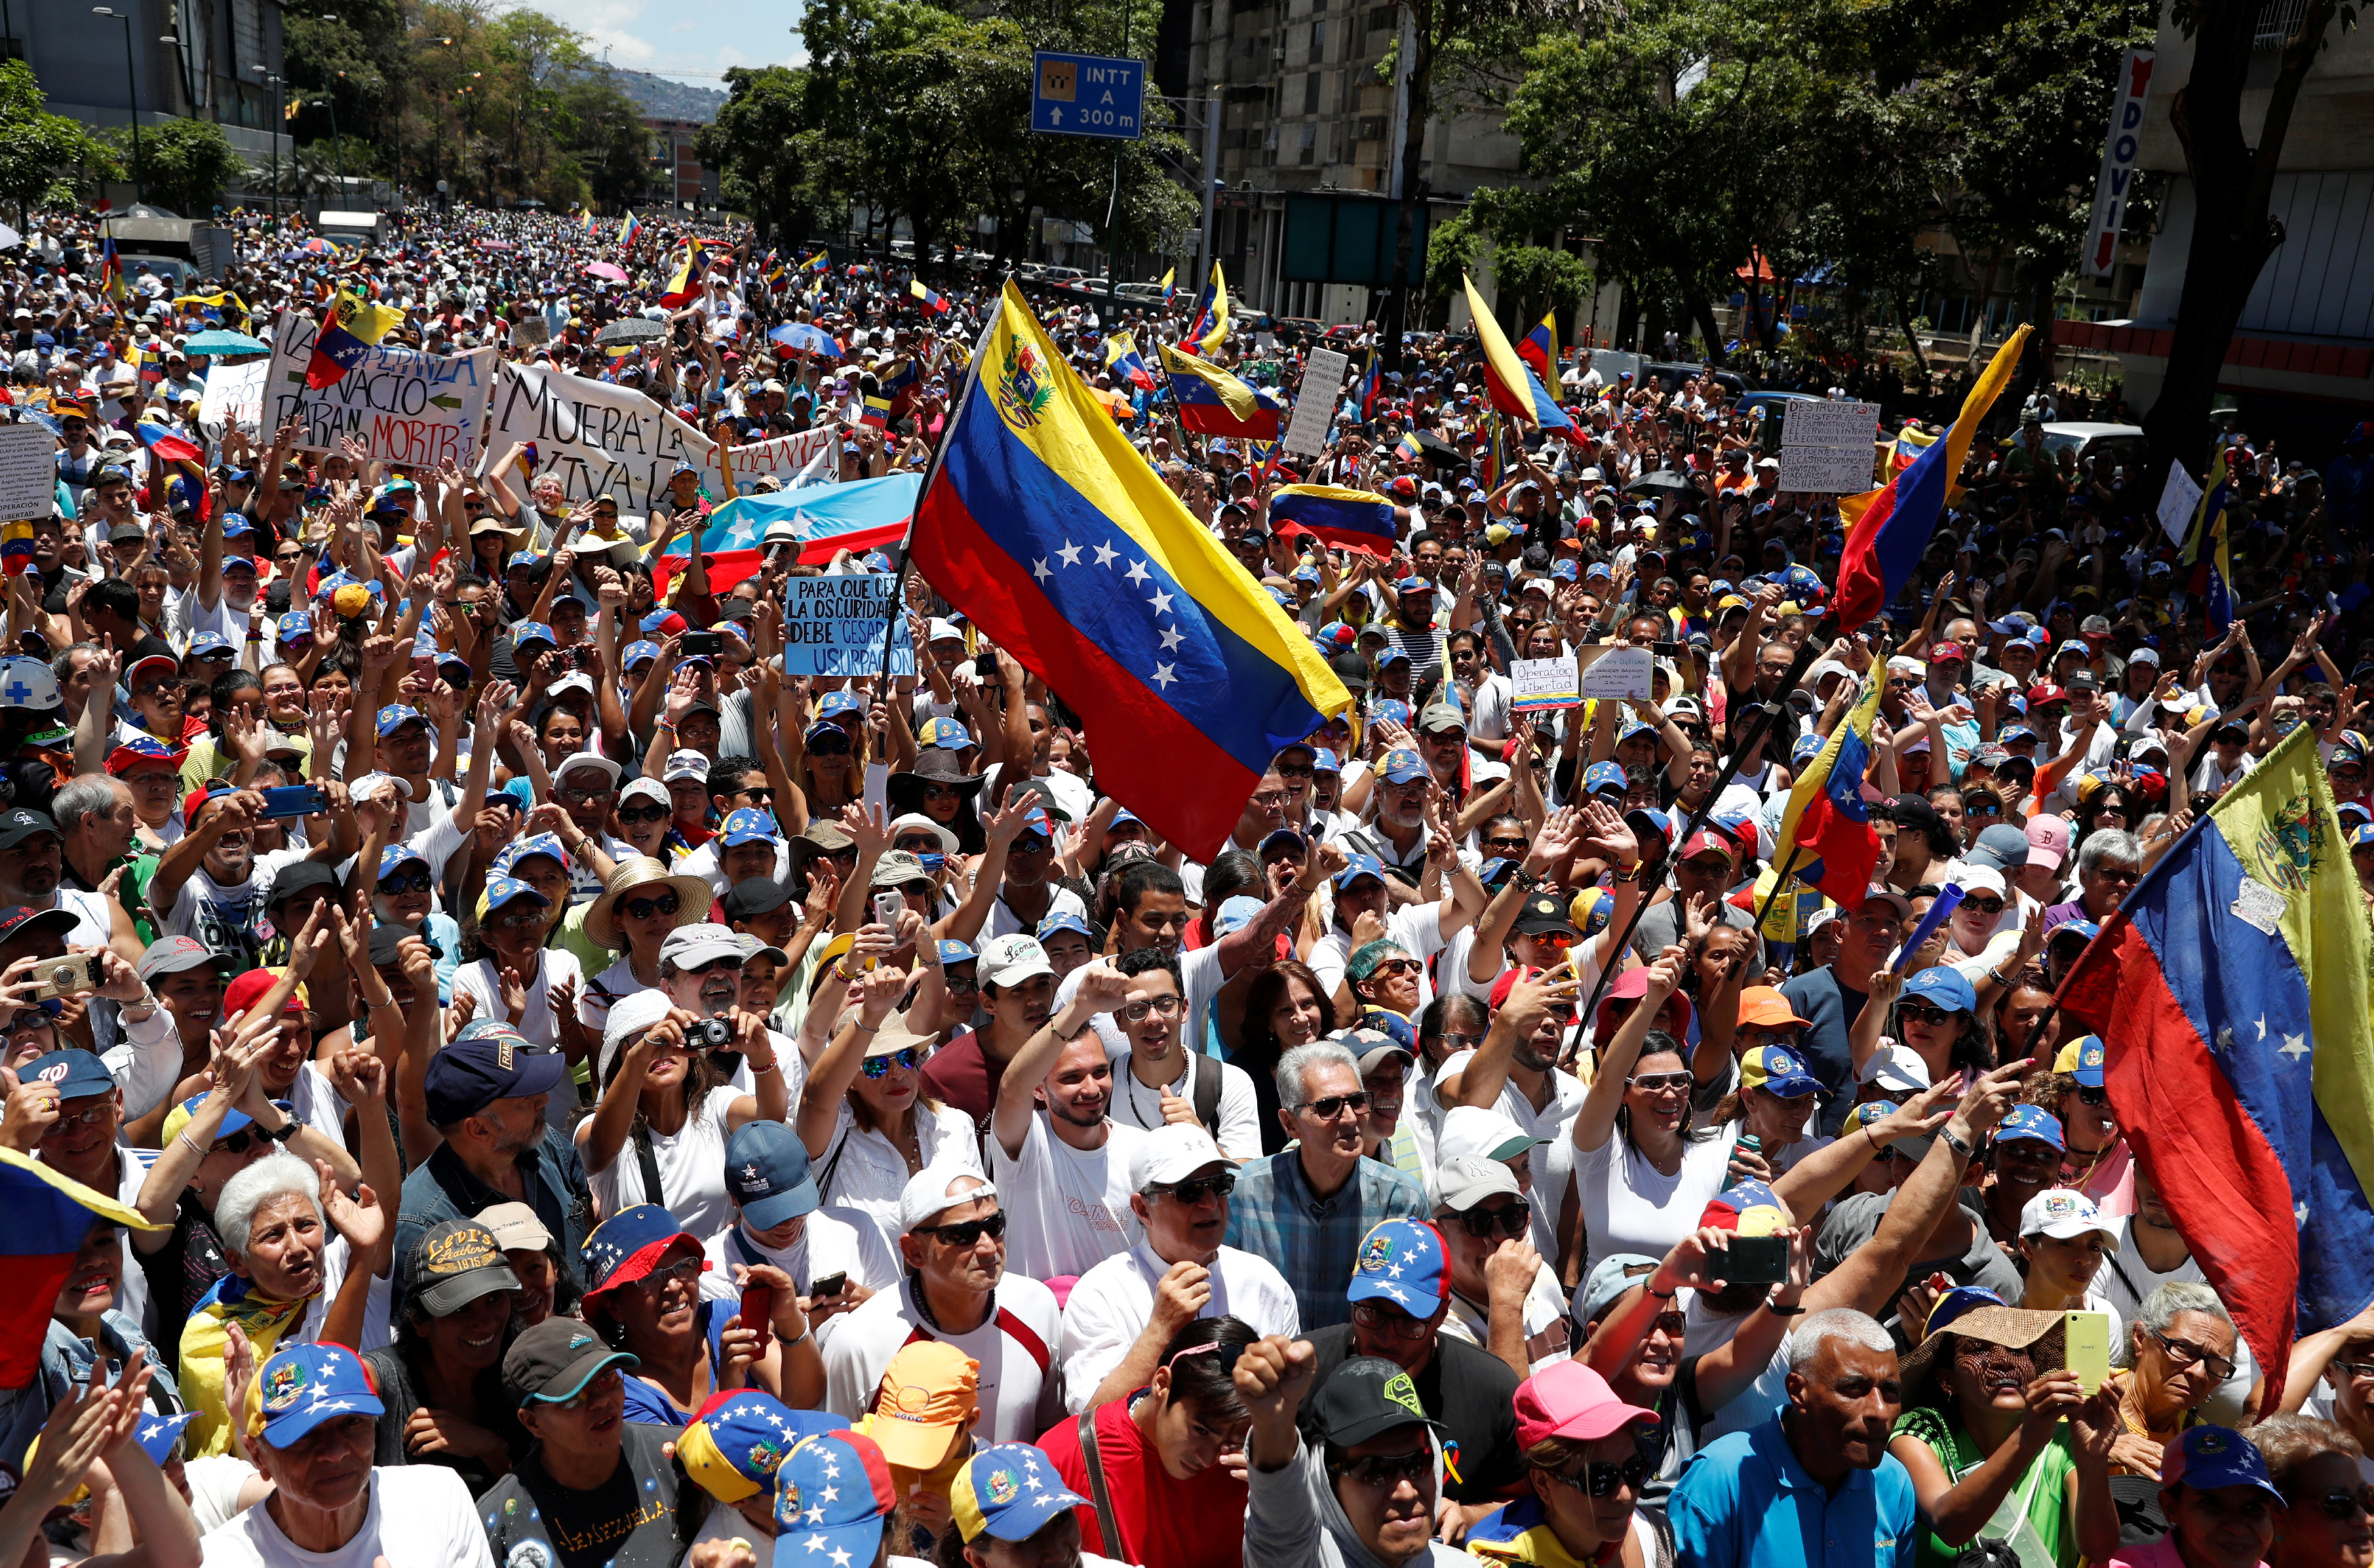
(779,1218)
(1063,1160)
(1125,1311)
(1158,1081)
(956,1290)
(1503,1296)
(1418,929)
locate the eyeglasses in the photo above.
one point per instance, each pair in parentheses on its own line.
(941,792)
(1920,1012)
(585,797)
(1194,1189)
(524,920)
(1382,1471)
(2184,1352)
(2343,1503)
(709,967)
(405,881)
(1383,1319)
(1600,1478)
(960,983)
(968,1232)
(1461,1042)
(880,1066)
(1161,1006)
(88,1116)
(2354,1368)
(1511,1219)
(684,1270)
(1335,1106)
(1984,906)
(1660,1083)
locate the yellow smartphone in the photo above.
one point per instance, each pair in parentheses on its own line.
(2086,1348)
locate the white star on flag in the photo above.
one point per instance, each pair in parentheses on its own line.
(1106,555)
(1171,639)
(1041,570)
(1161,603)
(1164,674)
(1069,554)
(2295,1047)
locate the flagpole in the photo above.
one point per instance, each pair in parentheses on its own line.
(1768,716)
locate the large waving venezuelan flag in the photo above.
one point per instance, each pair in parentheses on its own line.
(1046,529)
(49,1214)
(2231,990)
(1825,833)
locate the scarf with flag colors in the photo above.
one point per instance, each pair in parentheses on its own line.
(49,1215)
(1124,360)
(1506,379)
(1540,350)
(930,301)
(1048,530)
(2231,991)
(685,287)
(1825,833)
(205,1342)
(1213,403)
(1349,519)
(1888,529)
(1210,327)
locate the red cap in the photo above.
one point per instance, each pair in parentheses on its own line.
(1510,978)
(248,989)
(1941,652)
(192,800)
(1708,839)
(2045,693)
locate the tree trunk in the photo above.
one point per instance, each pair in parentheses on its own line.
(2233,232)
(1911,340)
(1701,315)
(1627,317)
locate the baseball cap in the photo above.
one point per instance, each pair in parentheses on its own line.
(1463,1182)
(1009,1490)
(767,1174)
(1401,767)
(2064,1213)
(2084,931)
(1365,1397)
(19,825)
(627,1246)
(1569,1399)
(1056,920)
(1871,1113)
(1765,1006)
(2031,1122)
(926,1194)
(736,1442)
(2000,848)
(1944,987)
(685,765)
(2048,840)
(1479,1129)
(515,1226)
(1543,912)
(1357,867)
(553,1360)
(1895,1067)
(1746,1208)
(1403,1261)
(394,716)
(2205,1457)
(1608,1279)
(1776,1072)
(689,947)
(454,1263)
(489,1061)
(303,1386)
(2083,1058)
(747,826)
(1171,1153)
(1604,776)
(1009,960)
(927,1393)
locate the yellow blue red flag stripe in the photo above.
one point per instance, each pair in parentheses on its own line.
(49,1214)
(1826,826)
(2231,991)
(1504,373)
(1352,520)
(1213,403)
(1048,530)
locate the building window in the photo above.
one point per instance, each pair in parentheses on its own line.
(1310,93)
(1310,142)
(1317,42)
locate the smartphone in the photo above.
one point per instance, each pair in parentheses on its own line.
(830,1285)
(2086,1347)
(63,977)
(888,908)
(295,800)
(1666,650)
(701,645)
(758,1313)
(1752,1260)
(583,656)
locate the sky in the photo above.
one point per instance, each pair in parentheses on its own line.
(688,41)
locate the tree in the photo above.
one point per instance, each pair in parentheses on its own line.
(184,164)
(749,145)
(2234,231)
(41,153)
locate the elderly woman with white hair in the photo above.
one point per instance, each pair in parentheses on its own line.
(658,1135)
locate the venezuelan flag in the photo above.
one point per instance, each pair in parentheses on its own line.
(589,223)
(1505,377)
(1825,833)
(1407,449)
(931,301)
(1909,443)
(335,352)
(1213,403)
(1540,350)
(1124,360)
(630,230)
(816,263)
(1170,285)
(1888,528)
(877,411)
(169,447)
(1210,328)
(2230,989)
(1372,385)
(1048,530)
(111,269)
(1351,519)
(369,323)
(49,1214)
(16,547)
(686,286)
(902,385)
(1546,412)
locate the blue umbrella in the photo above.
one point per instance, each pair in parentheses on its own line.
(225,342)
(797,336)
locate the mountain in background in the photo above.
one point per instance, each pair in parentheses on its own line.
(665,100)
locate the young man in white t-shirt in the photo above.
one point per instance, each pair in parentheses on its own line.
(1062,1162)
(1158,1081)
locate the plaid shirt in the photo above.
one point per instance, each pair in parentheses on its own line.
(1274,1215)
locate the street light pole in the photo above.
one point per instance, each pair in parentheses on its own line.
(132,81)
(330,99)
(279,121)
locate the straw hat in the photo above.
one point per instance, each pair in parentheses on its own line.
(2015,1328)
(694,896)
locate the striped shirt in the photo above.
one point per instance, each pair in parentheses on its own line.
(1312,1240)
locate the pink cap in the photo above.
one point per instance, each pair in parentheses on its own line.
(1571,1401)
(2048,840)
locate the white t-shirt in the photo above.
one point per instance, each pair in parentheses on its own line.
(1066,1208)
(843,1243)
(1139,1107)
(420,1516)
(220,918)
(861,1173)
(1200,969)
(1629,1206)
(1014,1347)
(692,1162)
(482,979)
(1554,1157)
(1112,1303)
(1415,929)
(1003,921)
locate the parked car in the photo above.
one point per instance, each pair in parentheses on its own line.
(1775,407)
(2117,444)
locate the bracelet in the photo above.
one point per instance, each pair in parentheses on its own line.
(1872,1138)
(762,1071)
(1953,1141)
(865,1028)
(371,1006)
(789,1344)
(1661,1295)
(1632,873)
(185,1137)
(1782,1311)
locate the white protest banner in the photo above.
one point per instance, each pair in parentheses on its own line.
(2178,502)
(594,438)
(785,458)
(29,473)
(1844,470)
(1314,407)
(1542,684)
(1817,422)
(234,396)
(833,625)
(413,408)
(529,331)
(1610,672)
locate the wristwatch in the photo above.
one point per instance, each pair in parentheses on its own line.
(288,1131)
(1953,1141)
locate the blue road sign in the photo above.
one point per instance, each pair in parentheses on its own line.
(1088,94)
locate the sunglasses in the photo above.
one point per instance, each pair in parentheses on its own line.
(1601,1478)
(2097,1096)
(2354,1368)
(1381,1470)
(1196,1188)
(917,845)
(1984,906)
(526,920)
(1920,1012)
(1505,846)
(878,1066)
(1227,1352)
(405,881)
(1660,1083)
(585,797)
(828,745)
(711,966)
(1510,1220)
(644,814)
(1383,1319)
(1293,770)
(1332,1106)
(764,795)
(969,1232)
(236,1143)
(1396,967)
(2343,1503)
(1981,808)
(663,904)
